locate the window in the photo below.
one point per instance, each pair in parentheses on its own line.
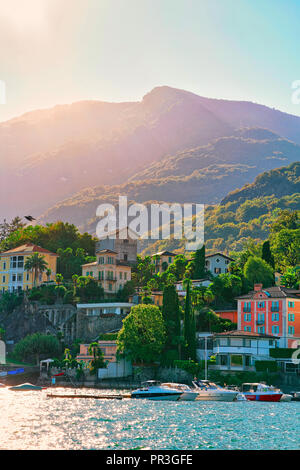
(121,275)
(275,306)
(261,329)
(291,330)
(261,305)
(16,262)
(170,259)
(247,307)
(247,317)
(4,265)
(223,360)
(3,279)
(275,316)
(217,270)
(261,317)
(247,361)
(125,257)
(101,260)
(247,328)
(27,277)
(20,277)
(247,343)
(291,304)
(275,329)
(291,317)
(110,286)
(125,276)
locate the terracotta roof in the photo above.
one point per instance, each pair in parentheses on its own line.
(248,334)
(274,292)
(28,248)
(106,250)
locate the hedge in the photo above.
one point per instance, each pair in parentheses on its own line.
(284,353)
(263,366)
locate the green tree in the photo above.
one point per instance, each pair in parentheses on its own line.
(189,324)
(143,336)
(257,271)
(267,254)
(98,361)
(37,264)
(35,345)
(171,316)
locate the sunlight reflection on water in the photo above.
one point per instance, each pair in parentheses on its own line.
(29,420)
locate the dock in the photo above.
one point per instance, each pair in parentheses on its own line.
(97,397)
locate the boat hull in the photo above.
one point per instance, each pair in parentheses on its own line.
(272,397)
(188,396)
(211,396)
(157,396)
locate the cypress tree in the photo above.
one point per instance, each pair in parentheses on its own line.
(189,326)
(267,254)
(171,316)
(199,263)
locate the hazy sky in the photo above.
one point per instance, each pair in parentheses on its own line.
(60,51)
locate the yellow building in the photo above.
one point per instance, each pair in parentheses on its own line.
(162,260)
(111,273)
(14,277)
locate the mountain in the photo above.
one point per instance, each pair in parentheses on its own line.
(279,182)
(203,175)
(49,155)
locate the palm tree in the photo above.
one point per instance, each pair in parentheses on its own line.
(48,273)
(37,264)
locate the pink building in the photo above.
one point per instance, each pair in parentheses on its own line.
(273,310)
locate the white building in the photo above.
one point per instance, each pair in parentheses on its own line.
(96,309)
(217,263)
(238,350)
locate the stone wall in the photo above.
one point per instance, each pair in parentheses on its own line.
(89,326)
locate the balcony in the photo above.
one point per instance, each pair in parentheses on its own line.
(260,322)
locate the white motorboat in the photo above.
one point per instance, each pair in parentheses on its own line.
(187,393)
(154,390)
(286,397)
(209,391)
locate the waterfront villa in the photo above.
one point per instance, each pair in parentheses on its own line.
(273,311)
(14,277)
(239,350)
(111,273)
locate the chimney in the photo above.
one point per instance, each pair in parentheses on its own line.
(258,287)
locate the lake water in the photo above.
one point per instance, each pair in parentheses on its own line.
(31,421)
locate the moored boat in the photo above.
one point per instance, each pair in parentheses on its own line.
(153,390)
(286,397)
(209,391)
(261,392)
(26,386)
(187,393)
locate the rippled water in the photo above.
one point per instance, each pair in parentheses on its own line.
(29,420)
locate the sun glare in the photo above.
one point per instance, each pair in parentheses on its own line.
(24,15)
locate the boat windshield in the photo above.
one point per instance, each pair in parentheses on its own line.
(150,383)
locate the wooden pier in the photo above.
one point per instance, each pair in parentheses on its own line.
(97,397)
